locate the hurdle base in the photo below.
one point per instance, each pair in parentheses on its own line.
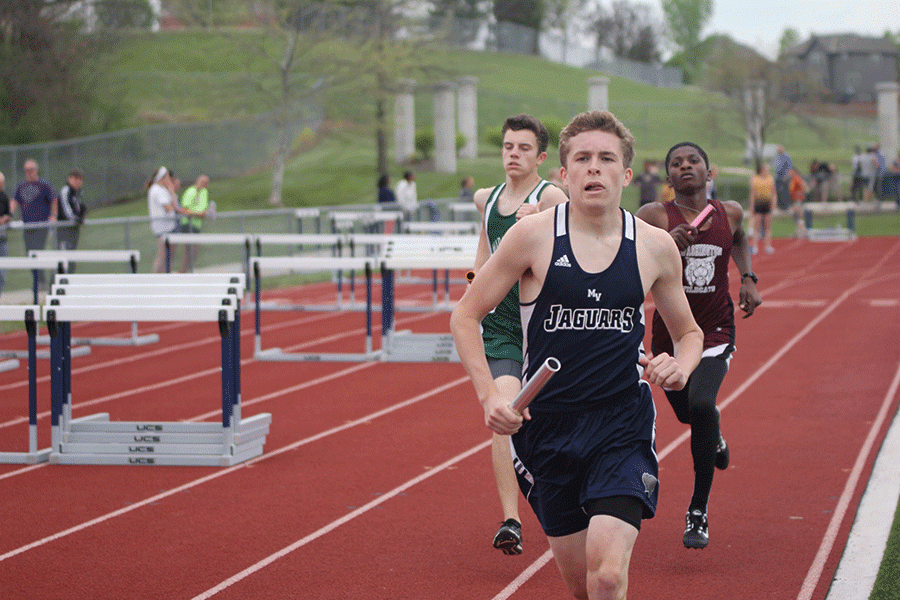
(141,340)
(833,234)
(25,458)
(95,440)
(421,347)
(9,365)
(278,355)
(44,354)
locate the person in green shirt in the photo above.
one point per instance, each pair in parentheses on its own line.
(194,206)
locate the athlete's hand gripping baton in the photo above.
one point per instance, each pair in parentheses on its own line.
(534,385)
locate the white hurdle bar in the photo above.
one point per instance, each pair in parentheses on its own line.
(210,239)
(313,264)
(96,440)
(33,264)
(28,314)
(129,257)
(451,228)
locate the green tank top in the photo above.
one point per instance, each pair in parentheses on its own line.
(501,329)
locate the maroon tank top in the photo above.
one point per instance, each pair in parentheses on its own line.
(705,278)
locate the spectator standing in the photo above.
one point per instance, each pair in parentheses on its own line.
(798,190)
(782,170)
(711,192)
(161,204)
(869,172)
(407,196)
(467,189)
(72,209)
(39,204)
(762,196)
(859,182)
(648,182)
(194,206)
(880,172)
(385,193)
(5,218)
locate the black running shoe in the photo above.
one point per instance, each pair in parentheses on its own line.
(722,454)
(696,534)
(509,537)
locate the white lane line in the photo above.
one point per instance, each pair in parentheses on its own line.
(191,484)
(858,569)
(337,523)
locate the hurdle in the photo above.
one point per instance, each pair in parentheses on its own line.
(346,221)
(333,244)
(451,228)
(830,234)
(27,314)
(464,211)
(210,239)
(97,440)
(130,257)
(313,264)
(33,264)
(440,252)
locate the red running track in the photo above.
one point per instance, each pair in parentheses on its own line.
(376,480)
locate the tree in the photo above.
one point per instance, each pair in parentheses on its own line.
(628,29)
(790,37)
(560,14)
(528,15)
(463,18)
(349,51)
(50,74)
(685,20)
(756,90)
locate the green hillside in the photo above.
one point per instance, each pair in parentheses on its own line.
(190,76)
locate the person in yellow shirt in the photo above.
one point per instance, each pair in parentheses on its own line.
(194,205)
(762,194)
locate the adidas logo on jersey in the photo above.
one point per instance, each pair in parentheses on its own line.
(562,261)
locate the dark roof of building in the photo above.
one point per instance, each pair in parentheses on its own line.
(844,42)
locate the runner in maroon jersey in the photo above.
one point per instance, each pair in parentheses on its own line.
(705,253)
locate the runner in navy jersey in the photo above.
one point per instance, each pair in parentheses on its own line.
(585,448)
(705,254)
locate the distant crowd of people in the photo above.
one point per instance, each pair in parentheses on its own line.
(39,203)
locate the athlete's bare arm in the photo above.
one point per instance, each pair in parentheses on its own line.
(660,266)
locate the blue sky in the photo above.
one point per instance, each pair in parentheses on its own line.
(760,23)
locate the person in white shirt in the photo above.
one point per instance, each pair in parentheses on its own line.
(407,196)
(161,204)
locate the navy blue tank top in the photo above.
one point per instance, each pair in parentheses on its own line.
(593,323)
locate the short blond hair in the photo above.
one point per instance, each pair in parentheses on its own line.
(597,120)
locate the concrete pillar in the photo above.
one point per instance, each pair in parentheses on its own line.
(888,122)
(598,93)
(467,115)
(445,127)
(405,121)
(755,115)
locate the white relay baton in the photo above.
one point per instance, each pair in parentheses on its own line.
(534,385)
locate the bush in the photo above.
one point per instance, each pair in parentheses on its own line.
(460,141)
(554,128)
(425,142)
(494,136)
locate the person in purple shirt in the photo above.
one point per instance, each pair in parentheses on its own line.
(38,201)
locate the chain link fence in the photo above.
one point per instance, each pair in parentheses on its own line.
(120,163)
